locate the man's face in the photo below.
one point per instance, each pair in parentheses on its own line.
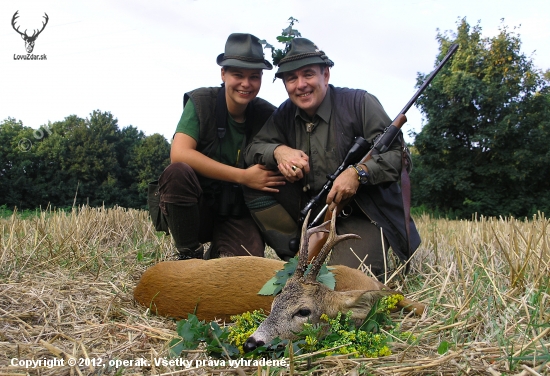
(241,85)
(307,87)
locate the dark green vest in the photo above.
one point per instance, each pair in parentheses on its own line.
(205,99)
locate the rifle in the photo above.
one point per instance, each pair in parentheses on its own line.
(380,144)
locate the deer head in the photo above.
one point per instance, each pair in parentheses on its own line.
(29,40)
(303,299)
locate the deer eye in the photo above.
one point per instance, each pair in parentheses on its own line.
(303,312)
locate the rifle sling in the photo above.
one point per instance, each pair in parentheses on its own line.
(406,192)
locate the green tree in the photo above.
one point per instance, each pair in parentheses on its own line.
(150,158)
(9,129)
(92,162)
(484,146)
(129,141)
(78,161)
(57,177)
(17,163)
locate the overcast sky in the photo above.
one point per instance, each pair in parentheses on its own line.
(137,58)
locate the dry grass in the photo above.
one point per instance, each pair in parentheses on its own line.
(66,282)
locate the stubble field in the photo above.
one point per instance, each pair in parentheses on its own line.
(66,282)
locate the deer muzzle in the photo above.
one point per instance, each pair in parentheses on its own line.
(251,344)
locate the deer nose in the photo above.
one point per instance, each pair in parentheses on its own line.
(251,344)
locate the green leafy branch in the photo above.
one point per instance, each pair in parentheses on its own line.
(287,35)
(339,335)
(193,332)
(276,284)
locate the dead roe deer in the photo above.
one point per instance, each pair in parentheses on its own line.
(220,288)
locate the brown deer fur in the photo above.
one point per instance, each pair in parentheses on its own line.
(220,288)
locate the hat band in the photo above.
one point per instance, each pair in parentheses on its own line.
(243,58)
(304,55)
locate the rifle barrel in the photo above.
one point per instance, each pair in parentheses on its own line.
(450,53)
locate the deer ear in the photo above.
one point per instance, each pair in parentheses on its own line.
(360,302)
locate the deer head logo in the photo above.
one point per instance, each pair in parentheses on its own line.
(29,40)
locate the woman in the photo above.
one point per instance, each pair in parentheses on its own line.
(200,192)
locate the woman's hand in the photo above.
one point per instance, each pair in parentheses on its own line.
(260,178)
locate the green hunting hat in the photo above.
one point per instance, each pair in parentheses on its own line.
(302,52)
(243,51)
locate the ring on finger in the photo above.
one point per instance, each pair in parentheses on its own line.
(294,168)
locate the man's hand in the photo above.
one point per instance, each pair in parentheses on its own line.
(260,178)
(292,163)
(345,186)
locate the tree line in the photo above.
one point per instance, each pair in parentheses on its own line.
(78,161)
(483,147)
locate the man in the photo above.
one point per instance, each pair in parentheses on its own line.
(200,192)
(306,138)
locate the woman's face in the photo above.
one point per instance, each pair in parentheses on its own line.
(241,85)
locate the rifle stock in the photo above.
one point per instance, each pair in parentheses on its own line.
(380,145)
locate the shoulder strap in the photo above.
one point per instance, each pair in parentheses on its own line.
(221,112)
(406,193)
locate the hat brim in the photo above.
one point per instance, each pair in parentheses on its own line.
(242,64)
(297,64)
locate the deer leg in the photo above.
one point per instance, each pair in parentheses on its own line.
(410,306)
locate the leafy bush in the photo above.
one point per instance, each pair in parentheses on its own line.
(339,335)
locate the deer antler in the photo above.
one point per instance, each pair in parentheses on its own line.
(15,16)
(35,34)
(302,255)
(332,240)
(304,247)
